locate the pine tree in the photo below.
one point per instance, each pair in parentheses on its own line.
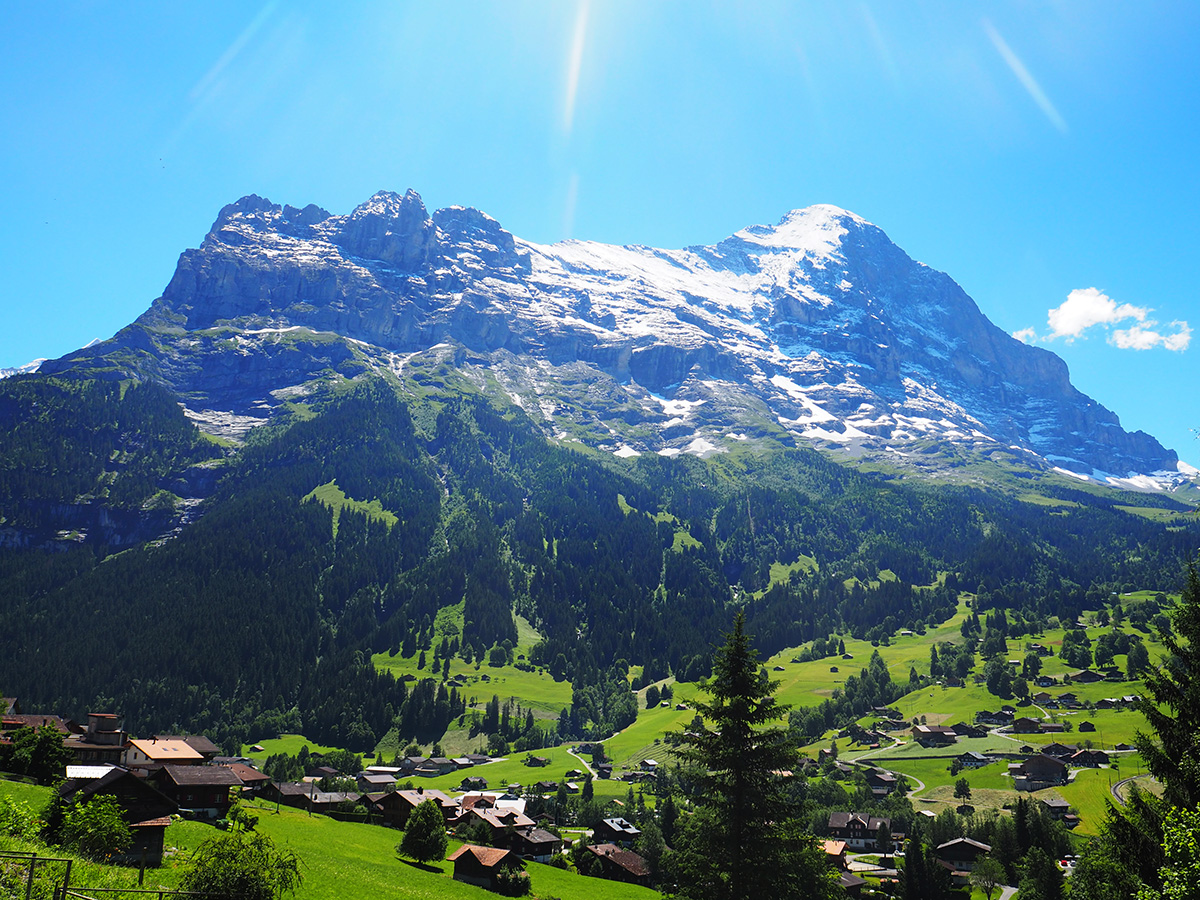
(742,842)
(1171,704)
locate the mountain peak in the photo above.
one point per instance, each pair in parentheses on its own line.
(817,329)
(815,229)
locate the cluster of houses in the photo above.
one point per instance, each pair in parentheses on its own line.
(151,779)
(515,838)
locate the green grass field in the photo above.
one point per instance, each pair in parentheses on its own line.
(338,859)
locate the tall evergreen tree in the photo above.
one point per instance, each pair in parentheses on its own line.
(741,842)
(1171,703)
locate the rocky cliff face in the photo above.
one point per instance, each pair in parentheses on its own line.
(817,329)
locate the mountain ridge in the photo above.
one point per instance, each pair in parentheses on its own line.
(815,330)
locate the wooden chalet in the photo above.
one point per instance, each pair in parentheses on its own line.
(615,831)
(202,789)
(534,843)
(1038,772)
(480,865)
(859,831)
(252,780)
(147,810)
(617,864)
(959,857)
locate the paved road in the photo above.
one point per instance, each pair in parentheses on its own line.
(587,768)
(1006,892)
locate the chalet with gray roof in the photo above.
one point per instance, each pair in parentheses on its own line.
(615,831)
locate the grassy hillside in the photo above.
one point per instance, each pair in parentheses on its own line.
(339,859)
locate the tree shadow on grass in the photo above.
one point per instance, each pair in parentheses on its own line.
(424,867)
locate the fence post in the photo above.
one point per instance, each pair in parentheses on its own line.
(29,880)
(67,880)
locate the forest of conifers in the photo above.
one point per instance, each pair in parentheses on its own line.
(258,616)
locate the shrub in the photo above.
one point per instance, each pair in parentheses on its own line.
(512,882)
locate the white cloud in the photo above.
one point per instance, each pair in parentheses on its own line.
(1145,338)
(1026,336)
(1087,307)
(1179,340)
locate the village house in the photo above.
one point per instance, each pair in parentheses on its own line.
(1026,725)
(1059,751)
(1086,676)
(973,759)
(389,806)
(934,735)
(252,780)
(536,844)
(881,782)
(962,729)
(1087,726)
(615,831)
(144,756)
(959,857)
(147,810)
(435,766)
(1038,772)
(198,742)
(413,799)
(202,789)
(374,781)
(859,831)
(616,864)
(14,721)
(1056,807)
(835,852)
(102,743)
(1000,718)
(1090,759)
(481,865)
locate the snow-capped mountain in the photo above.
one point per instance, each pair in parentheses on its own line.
(815,330)
(28,369)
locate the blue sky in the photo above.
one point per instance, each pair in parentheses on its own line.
(1043,154)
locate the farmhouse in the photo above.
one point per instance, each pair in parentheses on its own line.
(615,831)
(202,789)
(1038,772)
(934,735)
(960,856)
(859,831)
(147,810)
(616,864)
(973,759)
(1056,807)
(535,843)
(881,782)
(481,865)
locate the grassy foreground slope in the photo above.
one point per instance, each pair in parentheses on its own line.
(339,860)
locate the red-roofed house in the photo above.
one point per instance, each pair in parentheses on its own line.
(480,865)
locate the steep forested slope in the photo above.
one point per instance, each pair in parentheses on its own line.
(261,614)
